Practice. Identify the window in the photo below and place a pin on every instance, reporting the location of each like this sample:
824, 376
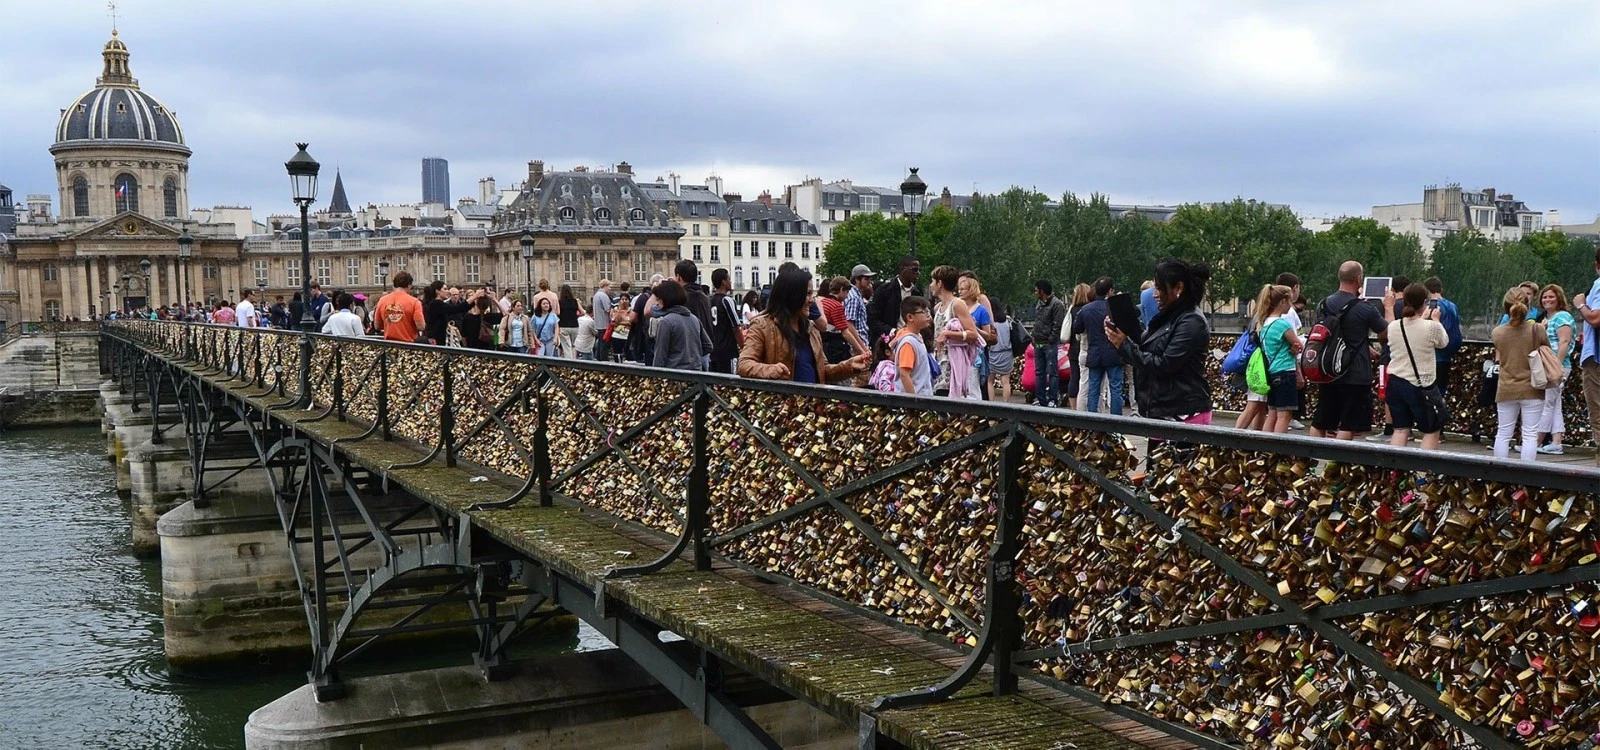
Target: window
377, 274
788, 250
738, 248
50, 272
402, 263
1483, 218
772, 249
126, 187
572, 241
716, 254
696, 228
352, 271
210, 270
694, 209
847, 214
169, 198
437, 263
636, 214
749, 225
52, 309
473, 264
260, 267
605, 240
1527, 223
716, 230
291, 272
641, 267
696, 257
772, 275
602, 216
80, 196
568, 213
869, 203
805, 250
832, 216
324, 275
783, 227
606, 262
738, 277
641, 241
569, 265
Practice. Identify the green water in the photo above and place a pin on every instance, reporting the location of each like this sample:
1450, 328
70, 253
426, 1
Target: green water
81, 661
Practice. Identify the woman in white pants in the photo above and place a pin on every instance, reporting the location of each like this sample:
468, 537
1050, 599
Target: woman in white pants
1561, 330
1516, 398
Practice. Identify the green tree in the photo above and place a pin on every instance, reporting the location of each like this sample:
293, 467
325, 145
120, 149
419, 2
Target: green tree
1008, 240
880, 242
1246, 244
1564, 259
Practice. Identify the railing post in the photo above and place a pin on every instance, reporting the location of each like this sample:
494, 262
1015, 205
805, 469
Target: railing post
152, 381
699, 489
383, 391
304, 401
541, 441
447, 414
133, 384
1002, 611
261, 364
338, 381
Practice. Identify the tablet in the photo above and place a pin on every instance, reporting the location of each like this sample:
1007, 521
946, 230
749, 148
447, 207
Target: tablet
1376, 287
1125, 315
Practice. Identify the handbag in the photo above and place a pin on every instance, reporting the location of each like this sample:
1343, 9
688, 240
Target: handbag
1435, 411
1544, 368
1239, 356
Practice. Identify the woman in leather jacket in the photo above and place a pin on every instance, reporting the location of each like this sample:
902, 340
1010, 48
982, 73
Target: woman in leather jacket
1169, 367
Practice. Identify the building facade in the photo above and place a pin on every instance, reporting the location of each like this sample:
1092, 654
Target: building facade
435, 180
699, 210
1448, 209
827, 205
766, 234
8, 212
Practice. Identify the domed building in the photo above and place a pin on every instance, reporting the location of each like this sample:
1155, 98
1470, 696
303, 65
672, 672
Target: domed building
122, 170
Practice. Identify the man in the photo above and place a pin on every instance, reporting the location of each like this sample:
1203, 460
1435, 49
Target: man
688, 274
643, 345
545, 293
245, 312
1450, 318
1051, 314
883, 315
855, 304
1101, 360
1344, 406
504, 301
398, 315
343, 322
278, 314
318, 301
1589, 356
600, 310
724, 324
1148, 307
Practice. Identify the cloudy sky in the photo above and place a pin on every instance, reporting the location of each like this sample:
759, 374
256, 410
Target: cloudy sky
1328, 106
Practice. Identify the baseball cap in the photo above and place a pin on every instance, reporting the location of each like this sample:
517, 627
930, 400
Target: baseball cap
860, 270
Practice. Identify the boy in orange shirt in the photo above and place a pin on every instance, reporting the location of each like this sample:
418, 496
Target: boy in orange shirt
398, 315
910, 353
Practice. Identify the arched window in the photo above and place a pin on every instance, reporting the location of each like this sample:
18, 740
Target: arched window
636, 214
568, 213
50, 272
126, 188
52, 309
738, 277
602, 215
169, 198
80, 196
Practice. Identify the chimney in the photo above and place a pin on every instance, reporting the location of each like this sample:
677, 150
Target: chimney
625, 168
765, 198
486, 191
580, 168
535, 174
731, 197
1488, 193
672, 182
944, 197
714, 183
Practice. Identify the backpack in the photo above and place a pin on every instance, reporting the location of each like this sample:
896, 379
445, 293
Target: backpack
1326, 357
886, 376
1255, 373
1239, 356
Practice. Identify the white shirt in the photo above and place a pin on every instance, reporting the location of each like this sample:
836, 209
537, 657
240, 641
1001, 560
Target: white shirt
1293, 318
586, 334
245, 314
344, 323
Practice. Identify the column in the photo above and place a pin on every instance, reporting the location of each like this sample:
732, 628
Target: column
81, 296
152, 295
178, 294
28, 293
99, 301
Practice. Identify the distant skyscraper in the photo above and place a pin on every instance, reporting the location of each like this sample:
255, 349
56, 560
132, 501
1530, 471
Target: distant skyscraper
435, 180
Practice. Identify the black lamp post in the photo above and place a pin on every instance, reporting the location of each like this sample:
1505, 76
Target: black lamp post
186, 254
914, 195
527, 268
116, 294
126, 278
383, 276
144, 268
303, 178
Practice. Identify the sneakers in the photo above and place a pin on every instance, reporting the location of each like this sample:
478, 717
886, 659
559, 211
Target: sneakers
1377, 437
1552, 449
1515, 447
1294, 424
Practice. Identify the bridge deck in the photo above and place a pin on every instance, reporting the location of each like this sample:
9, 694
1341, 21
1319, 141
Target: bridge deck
837, 660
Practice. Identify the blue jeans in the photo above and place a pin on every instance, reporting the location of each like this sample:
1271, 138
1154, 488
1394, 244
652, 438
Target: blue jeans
1114, 376
1047, 377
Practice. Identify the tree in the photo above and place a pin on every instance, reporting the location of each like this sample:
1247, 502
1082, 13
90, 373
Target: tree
1004, 240
1564, 259
879, 242
1246, 244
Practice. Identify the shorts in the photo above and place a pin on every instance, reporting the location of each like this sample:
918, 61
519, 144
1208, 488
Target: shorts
1406, 407
1283, 390
1343, 407
1251, 397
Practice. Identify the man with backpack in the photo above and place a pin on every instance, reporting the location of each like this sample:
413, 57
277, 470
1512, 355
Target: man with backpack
1340, 358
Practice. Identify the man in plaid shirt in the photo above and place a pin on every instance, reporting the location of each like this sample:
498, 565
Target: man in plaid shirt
855, 306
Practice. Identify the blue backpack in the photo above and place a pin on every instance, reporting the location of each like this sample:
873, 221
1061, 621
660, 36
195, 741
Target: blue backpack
1239, 357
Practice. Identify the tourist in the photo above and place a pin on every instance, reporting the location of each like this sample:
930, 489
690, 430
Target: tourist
223, 314
543, 321
588, 338
1588, 309
970, 290
567, 312
504, 301
481, 321
751, 307
840, 339
908, 351
344, 322
398, 315
358, 306
681, 342
1002, 355
645, 305
245, 313
1280, 342
1103, 365
516, 329
781, 344
545, 293
883, 314
439, 308
600, 307
621, 324
855, 303
1075, 385
1344, 406
318, 301
1450, 319
725, 328
1254, 414
1413, 371
955, 337
1147, 302
1516, 400
1560, 330
1169, 364
1049, 316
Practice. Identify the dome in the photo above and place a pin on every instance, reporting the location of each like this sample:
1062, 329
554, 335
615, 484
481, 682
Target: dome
116, 110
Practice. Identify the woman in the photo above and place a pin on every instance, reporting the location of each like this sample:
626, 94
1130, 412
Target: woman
1254, 416
1415, 338
437, 312
1076, 384
1279, 345
477, 326
955, 337
1169, 365
567, 320
516, 329
1560, 329
621, 325
544, 327
751, 307
681, 342
840, 339
1001, 356
971, 292
783, 345
1516, 398
223, 314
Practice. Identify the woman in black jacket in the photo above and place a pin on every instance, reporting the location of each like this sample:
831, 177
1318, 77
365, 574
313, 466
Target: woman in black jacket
1169, 366
478, 325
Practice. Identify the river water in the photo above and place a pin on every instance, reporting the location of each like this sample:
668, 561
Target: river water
81, 661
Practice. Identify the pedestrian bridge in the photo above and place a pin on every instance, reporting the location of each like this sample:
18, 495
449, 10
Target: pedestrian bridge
939, 573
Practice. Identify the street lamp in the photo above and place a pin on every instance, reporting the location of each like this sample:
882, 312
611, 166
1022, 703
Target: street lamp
186, 254
126, 278
527, 267
914, 195
144, 268
303, 178
383, 275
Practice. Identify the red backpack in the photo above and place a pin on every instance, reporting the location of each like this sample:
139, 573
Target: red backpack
1326, 357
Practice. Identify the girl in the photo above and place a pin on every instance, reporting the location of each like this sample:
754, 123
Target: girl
1414, 340
515, 329
956, 337
544, 327
1280, 343
1516, 398
1254, 416
1560, 329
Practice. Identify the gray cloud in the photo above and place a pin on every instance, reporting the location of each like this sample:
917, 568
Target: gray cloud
1329, 106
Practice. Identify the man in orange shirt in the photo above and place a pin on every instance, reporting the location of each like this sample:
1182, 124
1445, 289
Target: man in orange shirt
398, 315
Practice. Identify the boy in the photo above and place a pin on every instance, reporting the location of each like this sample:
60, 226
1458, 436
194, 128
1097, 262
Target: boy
909, 352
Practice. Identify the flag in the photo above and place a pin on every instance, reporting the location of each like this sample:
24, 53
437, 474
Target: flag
122, 190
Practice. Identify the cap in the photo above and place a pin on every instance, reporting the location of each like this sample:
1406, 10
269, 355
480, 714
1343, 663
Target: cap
361, 296
860, 270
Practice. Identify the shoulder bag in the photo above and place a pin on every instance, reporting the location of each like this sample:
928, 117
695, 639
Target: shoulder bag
1435, 412
1544, 369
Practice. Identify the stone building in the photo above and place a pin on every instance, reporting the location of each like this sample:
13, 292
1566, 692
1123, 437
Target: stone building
765, 235
699, 210
123, 179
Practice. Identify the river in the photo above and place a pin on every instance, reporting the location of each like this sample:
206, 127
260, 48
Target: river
82, 662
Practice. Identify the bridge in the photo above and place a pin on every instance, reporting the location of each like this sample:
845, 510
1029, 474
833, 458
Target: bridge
937, 573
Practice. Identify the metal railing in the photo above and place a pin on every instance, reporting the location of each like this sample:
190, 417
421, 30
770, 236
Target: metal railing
1233, 587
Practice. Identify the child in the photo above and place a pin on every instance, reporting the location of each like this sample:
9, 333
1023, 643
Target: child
910, 354
584, 342
1280, 342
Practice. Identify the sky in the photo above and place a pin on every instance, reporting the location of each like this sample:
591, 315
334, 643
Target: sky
1330, 107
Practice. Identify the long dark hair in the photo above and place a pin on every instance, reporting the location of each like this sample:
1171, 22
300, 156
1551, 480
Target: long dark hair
566, 293
753, 299
787, 303
1171, 272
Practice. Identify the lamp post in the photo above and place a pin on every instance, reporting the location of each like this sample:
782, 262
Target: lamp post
303, 179
527, 268
144, 268
186, 254
914, 195
116, 294
126, 278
